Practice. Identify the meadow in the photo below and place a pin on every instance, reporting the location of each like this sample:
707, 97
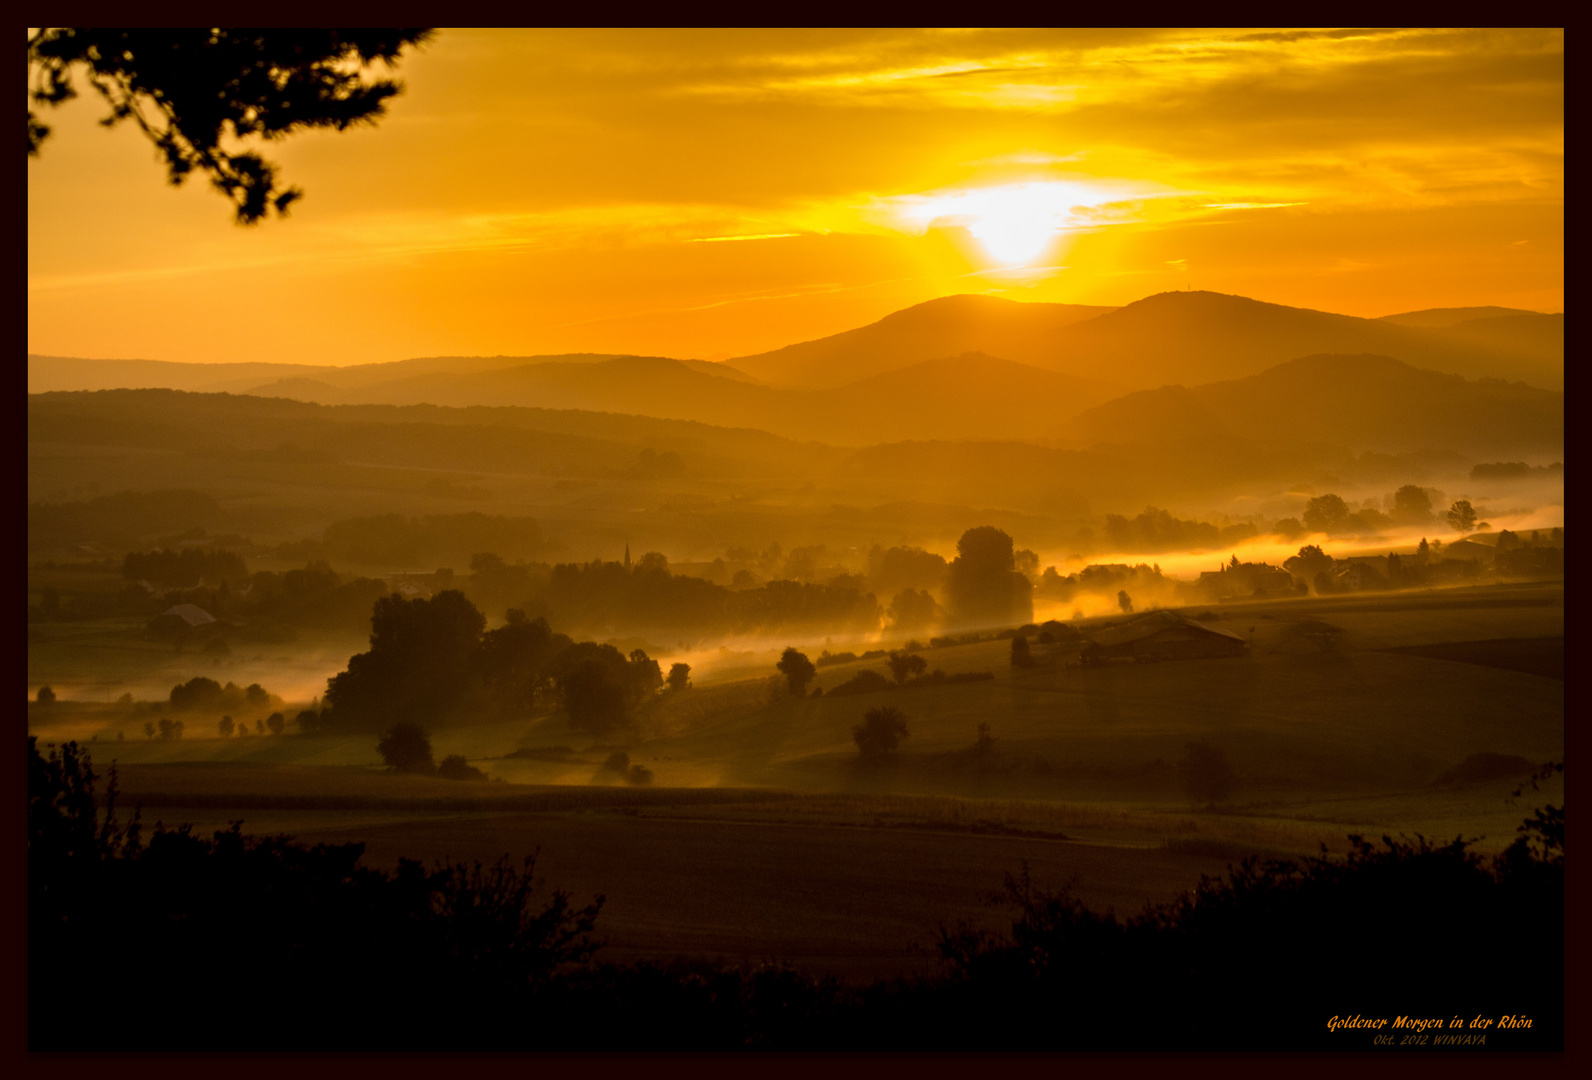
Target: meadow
763, 835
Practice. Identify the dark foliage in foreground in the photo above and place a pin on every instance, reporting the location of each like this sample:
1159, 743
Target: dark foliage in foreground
223, 933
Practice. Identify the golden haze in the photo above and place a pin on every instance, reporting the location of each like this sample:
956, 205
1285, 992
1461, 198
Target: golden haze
719, 193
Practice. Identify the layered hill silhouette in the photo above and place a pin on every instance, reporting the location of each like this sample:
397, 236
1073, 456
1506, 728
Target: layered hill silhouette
945, 327
1443, 317
1185, 337
967, 396
1363, 402
47, 373
903, 377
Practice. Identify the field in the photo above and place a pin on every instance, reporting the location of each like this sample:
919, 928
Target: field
762, 836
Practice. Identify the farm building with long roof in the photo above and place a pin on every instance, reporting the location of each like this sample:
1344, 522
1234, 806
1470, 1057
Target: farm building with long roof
1162, 635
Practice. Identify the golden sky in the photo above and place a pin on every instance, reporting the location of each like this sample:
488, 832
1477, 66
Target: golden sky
718, 193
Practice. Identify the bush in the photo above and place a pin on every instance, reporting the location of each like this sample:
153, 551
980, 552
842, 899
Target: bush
880, 732
406, 748
454, 767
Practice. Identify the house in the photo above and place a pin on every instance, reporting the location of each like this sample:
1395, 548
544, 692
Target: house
183, 620
1162, 635
1245, 579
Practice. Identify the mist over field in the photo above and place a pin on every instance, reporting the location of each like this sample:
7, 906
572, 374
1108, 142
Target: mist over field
734, 578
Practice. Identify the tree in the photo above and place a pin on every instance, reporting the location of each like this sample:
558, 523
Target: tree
256, 695
880, 732
594, 694
1412, 505
983, 586
797, 669
225, 727
1124, 601
149, 729
904, 665
276, 722
1205, 773
422, 657
46, 696
1462, 516
645, 673
197, 693
1022, 655
679, 677
191, 91
406, 747
1325, 513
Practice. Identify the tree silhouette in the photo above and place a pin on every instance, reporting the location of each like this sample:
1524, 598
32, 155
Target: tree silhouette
46, 696
797, 669
904, 665
191, 90
1124, 601
406, 747
679, 677
1462, 516
225, 727
1022, 655
1325, 513
422, 656
1412, 505
983, 585
880, 732
276, 722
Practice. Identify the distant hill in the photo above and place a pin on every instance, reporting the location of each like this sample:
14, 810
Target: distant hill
1181, 337
218, 427
969, 396
1197, 337
945, 327
1441, 318
1361, 402
48, 373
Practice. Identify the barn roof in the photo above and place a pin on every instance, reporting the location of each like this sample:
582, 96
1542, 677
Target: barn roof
1154, 623
192, 614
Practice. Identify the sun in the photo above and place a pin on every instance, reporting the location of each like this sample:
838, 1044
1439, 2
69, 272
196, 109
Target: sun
1015, 224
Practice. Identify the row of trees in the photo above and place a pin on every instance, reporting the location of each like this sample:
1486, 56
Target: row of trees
432, 659
1411, 506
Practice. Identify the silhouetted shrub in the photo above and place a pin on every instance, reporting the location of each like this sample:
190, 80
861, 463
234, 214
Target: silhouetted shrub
454, 767
797, 669
406, 747
880, 732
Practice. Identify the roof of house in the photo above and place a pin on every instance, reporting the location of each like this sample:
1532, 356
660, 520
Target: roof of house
191, 614
1154, 623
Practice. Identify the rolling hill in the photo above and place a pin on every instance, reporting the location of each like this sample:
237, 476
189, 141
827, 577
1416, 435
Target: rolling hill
1363, 402
1183, 337
944, 327
968, 396
326, 383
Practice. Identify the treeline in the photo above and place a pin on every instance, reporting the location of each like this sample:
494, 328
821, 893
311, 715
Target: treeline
432, 661
1156, 530
221, 932
1515, 470
122, 520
